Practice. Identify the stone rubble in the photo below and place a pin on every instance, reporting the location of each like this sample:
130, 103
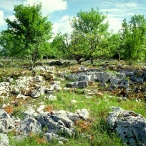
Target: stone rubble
129, 126
35, 122
123, 79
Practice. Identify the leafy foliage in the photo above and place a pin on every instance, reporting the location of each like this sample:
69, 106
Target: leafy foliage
92, 27
78, 47
30, 32
59, 46
134, 38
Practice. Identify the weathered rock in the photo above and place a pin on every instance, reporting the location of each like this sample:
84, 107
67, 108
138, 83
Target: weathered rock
79, 84
118, 83
128, 73
50, 136
27, 126
129, 126
62, 116
73, 117
82, 68
102, 76
4, 87
52, 97
136, 79
85, 78
41, 109
55, 85
45, 68
9, 79
30, 112
6, 122
82, 84
33, 122
47, 122
4, 141
38, 79
71, 85
20, 96
83, 113
35, 94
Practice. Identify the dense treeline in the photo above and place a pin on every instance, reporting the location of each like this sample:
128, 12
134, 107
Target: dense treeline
29, 35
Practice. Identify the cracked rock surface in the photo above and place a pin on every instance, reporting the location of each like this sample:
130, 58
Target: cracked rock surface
128, 125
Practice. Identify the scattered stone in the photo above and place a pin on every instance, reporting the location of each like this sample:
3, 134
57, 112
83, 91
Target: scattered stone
41, 109
6, 122
30, 112
20, 96
60, 142
9, 79
38, 79
82, 68
50, 136
83, 113
82, 84
73, 101
35, 94
52, 97
4, 140
27, 126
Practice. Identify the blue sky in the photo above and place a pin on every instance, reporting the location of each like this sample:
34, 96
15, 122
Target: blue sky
60, 12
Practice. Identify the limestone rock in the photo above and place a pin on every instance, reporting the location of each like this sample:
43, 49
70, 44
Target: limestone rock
6, 122
4, 141
52, 97
27, 126
129, 126
83, 113
50, 136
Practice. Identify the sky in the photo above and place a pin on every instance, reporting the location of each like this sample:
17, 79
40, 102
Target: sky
60, 12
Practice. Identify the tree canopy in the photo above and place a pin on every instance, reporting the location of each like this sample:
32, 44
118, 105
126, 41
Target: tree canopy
30, 32
28, 36
92, 26
134, 37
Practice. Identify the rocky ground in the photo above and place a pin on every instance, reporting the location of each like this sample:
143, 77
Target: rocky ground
118, 80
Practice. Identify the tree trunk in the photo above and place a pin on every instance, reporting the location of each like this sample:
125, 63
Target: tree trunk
79, 62
91, 60
32, 67
119, 56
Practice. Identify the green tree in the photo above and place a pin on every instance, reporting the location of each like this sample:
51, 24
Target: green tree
115, 45
92, 26
134, 37
30, 32
78, 47
59, 46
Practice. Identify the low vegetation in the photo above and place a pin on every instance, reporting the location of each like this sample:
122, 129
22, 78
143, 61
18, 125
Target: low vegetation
92, 132
26, 44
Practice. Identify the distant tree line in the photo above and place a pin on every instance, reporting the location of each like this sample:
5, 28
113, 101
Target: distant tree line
29, 35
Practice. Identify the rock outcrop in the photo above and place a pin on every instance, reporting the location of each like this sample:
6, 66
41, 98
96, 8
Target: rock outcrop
128, 125
50, 124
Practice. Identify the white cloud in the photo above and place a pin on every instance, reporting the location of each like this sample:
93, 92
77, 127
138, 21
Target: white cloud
111, 10
12, 17
63, 25
9, 4
49, 6
126, 5
2, 21
114, 24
